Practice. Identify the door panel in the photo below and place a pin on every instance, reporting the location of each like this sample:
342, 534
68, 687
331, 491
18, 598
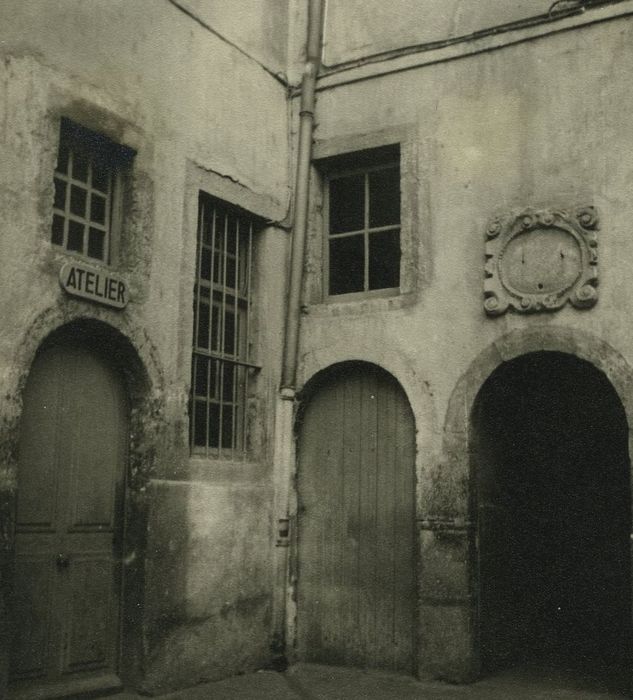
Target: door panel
71, 465
90, 615
356, 524
33, 605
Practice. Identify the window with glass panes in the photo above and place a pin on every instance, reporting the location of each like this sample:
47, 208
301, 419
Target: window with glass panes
221, 363
86, 191
363, 228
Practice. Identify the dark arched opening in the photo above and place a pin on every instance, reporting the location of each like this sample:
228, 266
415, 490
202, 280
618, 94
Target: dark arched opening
549, 443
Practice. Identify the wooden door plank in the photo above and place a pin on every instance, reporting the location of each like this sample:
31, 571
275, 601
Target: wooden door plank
404, 541
368, 554
386, 542
356, 602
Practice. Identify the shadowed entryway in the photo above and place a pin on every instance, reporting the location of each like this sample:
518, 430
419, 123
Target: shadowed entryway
551, 466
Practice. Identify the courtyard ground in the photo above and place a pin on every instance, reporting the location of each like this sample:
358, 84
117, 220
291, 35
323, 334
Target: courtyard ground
316, 682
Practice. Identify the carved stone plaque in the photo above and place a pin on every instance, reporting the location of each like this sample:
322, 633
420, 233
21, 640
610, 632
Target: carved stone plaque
537, 260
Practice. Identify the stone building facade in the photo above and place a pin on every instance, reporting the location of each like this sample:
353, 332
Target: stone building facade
452, 494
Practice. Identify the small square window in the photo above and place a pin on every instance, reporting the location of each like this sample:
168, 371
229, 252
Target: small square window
363, 223
87, 187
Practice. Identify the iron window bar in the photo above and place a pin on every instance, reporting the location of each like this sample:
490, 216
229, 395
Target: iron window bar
221, 365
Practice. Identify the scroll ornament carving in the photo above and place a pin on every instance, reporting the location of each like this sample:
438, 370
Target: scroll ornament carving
538, 260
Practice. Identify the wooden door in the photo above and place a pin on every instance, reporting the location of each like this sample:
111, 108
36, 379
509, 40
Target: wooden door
69, 520
356, 568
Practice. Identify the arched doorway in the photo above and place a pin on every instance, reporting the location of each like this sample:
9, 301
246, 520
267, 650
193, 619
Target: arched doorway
69, 523
551, 477
356, 548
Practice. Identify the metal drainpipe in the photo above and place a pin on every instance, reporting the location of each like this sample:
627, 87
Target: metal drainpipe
300, 219
284, 456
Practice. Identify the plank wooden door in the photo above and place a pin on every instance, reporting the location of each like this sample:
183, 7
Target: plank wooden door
69, 520
356, 483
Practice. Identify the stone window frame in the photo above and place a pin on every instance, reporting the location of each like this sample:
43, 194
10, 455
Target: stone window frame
326, 154
100, 153
271, 212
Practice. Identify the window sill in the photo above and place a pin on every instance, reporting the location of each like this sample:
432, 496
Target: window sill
359, 303
362, 296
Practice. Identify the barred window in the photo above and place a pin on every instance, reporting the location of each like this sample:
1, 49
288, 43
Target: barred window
87, 191
221, 363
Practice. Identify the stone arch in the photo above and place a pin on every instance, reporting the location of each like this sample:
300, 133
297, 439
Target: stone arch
316, 361
325, 374
448, 609
132, 355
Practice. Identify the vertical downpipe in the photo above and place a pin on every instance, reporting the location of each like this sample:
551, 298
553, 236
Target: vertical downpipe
284, 454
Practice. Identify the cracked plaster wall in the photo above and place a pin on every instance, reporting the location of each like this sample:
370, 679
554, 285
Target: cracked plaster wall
543, 123
149, 77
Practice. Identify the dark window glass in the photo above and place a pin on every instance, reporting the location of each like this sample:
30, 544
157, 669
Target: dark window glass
96, 239
384, 197
227, 425
80, 167
97, 209
384, 259
58, 230
205, 264
218, 269
201, 374
78, 201
215, 326
75, 236
347, 203
203, 326
60, 194
100, 179
229, 332
347, 264
62, 160
214, 426
230, 272
199, 423
220, 224
231, 239
229, 382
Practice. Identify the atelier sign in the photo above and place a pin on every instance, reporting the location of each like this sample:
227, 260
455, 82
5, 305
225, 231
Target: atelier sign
94, 284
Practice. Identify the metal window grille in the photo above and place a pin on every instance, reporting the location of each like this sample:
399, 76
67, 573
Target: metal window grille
221, 363
363, 229
87, 179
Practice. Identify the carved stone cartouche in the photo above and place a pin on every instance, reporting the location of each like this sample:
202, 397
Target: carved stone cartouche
539, 259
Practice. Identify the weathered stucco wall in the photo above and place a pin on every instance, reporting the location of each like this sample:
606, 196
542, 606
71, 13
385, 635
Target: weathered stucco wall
543, 123
350, 29
150, 77
259, 28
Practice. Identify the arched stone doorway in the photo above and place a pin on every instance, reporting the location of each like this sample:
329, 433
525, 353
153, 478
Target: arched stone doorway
449, 601
356, 602
85, 389
69, 524
551, 493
